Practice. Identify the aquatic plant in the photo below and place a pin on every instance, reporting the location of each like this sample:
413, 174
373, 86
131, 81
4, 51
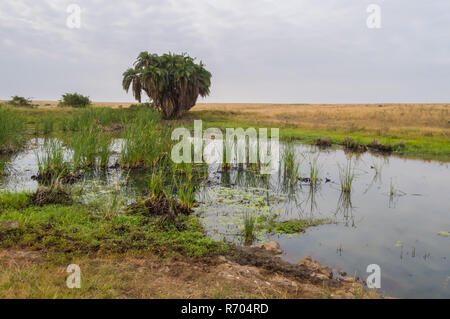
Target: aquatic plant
104, 151
147, 142
392, 189
323, 142
248, 232
156, 184
354, 146
290, 165
186, 195
85, 145
346, 176
55, 193
111, 207
2, 167
375, 145
51, 162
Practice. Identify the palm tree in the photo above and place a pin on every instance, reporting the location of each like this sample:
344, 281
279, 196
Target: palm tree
172, 81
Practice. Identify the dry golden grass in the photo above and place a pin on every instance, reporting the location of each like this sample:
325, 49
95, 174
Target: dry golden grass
422, 119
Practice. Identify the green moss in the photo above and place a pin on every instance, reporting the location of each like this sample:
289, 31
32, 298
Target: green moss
10, 200
294, 226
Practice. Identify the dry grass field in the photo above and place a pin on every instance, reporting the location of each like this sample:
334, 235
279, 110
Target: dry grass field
412, 130
417, 119
423, 130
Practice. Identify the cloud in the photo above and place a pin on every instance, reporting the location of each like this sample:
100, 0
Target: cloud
257, 50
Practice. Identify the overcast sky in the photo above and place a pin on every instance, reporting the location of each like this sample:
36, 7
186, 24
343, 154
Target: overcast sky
289, 51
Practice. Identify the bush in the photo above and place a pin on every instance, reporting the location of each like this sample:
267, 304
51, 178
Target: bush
19, 101
74, 100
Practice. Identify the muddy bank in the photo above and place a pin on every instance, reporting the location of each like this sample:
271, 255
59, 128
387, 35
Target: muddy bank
243, 273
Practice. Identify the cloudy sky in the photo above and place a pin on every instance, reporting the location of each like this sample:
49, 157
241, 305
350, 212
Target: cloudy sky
318, 51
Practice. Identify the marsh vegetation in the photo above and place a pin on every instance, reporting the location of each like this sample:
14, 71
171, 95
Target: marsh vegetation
104, 183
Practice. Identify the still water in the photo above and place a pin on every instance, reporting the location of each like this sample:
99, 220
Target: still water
396, 216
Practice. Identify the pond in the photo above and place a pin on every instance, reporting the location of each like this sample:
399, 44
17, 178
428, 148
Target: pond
397, 214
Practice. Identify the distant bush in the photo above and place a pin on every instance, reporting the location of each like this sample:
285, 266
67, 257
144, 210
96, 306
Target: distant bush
19, 101
74, 100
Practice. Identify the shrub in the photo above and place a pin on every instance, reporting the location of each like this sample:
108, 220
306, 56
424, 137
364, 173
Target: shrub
19, 101
74, 100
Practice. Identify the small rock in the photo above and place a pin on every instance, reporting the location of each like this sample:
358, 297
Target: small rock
318, 271
7, 224
272, 247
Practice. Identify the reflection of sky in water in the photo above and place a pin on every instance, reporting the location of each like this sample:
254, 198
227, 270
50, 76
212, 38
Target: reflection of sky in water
366, 233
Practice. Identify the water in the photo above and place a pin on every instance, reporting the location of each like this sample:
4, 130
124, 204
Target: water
400, 233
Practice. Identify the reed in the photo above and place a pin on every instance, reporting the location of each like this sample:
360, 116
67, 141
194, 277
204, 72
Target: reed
85, 144
51, 162
104, 152
147, 143
346, 176
248, 232
156, 184
290, 165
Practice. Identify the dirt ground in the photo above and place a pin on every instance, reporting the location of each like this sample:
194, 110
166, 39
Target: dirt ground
242, 274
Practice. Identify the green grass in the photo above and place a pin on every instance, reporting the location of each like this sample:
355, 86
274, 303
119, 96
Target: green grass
9, 200
290, 164
12, 130
78, 230
147, 141
346, 176
407, 145
51, 162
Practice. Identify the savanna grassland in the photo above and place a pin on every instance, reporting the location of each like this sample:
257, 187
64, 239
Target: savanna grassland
154, 247
413, 130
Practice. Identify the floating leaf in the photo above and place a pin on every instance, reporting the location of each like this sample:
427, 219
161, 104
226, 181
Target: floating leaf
444, 233
399, 244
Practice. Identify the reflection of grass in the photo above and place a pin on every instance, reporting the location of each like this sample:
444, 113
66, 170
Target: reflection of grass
392, 189
345, 207
314, 171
